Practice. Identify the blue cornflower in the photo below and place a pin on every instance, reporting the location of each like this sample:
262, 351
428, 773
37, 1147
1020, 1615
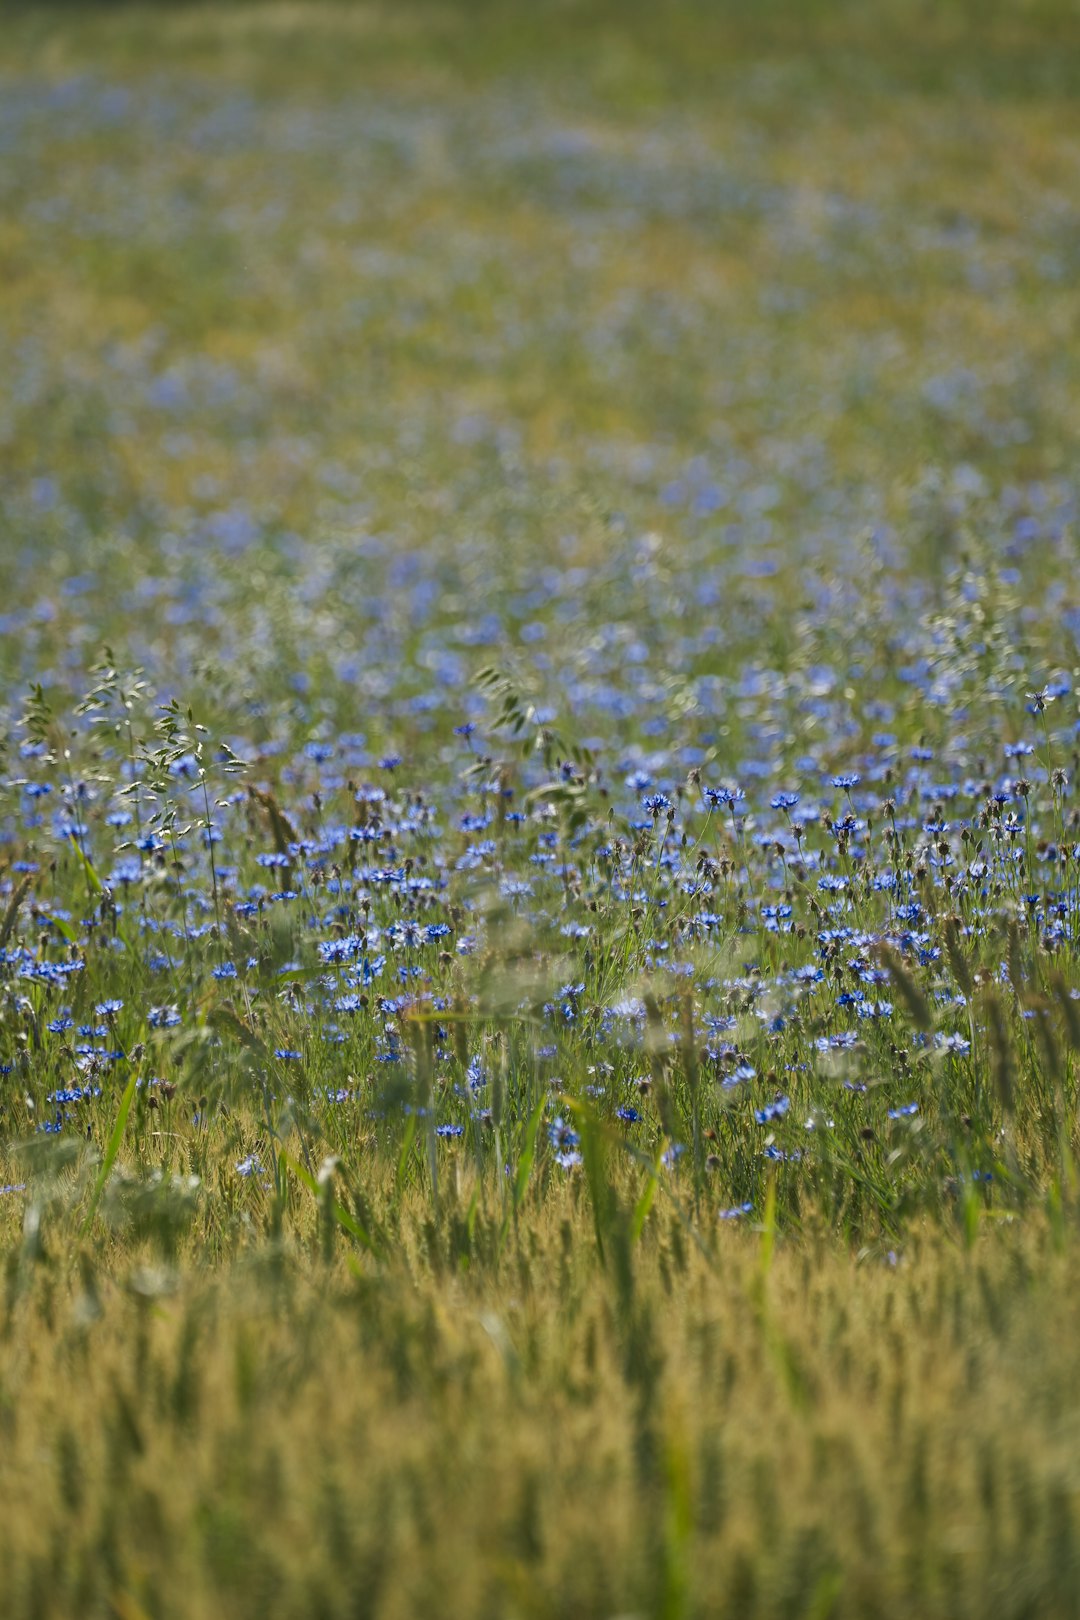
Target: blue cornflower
772, 1111
874, 1009
340, 950
565, 1142
71, 1094
350, 1003
514, 888
476, 1074
739, 1076
716, 798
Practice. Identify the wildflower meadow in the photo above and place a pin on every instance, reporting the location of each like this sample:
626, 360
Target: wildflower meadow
539, 837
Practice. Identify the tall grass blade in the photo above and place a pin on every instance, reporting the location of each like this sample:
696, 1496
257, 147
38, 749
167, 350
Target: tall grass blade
112, 1148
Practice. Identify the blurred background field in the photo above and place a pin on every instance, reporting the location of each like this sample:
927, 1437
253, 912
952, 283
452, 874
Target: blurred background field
446, 273
601, 1138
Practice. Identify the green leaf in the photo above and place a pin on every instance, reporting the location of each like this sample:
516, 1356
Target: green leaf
87, 865
645, 1202
403, 1156
64, 928
345, 1220
112, 1148
528, 1154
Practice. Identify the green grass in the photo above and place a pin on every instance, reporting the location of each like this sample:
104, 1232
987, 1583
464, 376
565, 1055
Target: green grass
684, 396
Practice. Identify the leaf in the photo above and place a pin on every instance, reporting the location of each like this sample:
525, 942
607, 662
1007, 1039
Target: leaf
87, 865
528, 1153
594, 1153
403, 1156
63, 928
112, 1148
645, 1202
345, 1220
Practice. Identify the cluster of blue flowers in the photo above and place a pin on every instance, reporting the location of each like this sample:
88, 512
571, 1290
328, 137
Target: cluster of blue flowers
674, 776
804, 962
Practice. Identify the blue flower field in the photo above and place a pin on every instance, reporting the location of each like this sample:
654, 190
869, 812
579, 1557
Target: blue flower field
539, 839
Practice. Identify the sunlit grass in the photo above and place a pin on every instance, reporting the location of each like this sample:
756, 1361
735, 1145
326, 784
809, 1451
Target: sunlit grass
539, 880
682, 1432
